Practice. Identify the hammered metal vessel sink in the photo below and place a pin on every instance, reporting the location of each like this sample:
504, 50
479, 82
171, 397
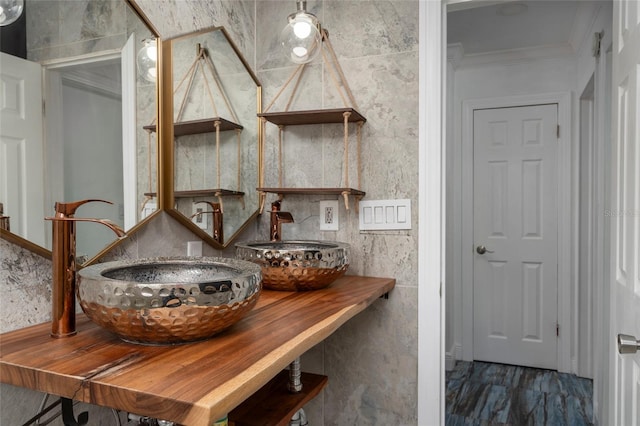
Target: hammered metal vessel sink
297, 265
168, 300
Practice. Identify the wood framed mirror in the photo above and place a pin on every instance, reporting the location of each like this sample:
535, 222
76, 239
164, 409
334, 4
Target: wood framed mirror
90, 141
211, 151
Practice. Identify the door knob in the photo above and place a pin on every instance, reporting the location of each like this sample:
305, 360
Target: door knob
482, 250
628, 344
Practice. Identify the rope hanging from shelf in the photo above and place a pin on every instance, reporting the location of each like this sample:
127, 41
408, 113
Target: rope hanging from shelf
280, 142
337, 77
239, 175
203, 62
149, 197
336, 63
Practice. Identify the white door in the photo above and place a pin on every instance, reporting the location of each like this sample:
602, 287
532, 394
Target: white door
21, 147
624, 370
515, 278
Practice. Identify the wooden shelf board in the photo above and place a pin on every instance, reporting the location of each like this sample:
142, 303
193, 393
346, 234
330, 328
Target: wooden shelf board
194, 127
314, 191
315, 116
273, 404
201, 193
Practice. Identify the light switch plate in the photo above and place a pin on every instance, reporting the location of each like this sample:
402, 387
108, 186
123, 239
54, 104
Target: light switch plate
385, 215
149, 207
329, 220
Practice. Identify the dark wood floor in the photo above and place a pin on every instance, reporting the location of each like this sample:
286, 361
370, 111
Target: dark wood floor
484, 394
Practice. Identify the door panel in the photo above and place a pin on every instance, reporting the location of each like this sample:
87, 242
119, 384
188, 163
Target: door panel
515, 217
624, 370
21, 147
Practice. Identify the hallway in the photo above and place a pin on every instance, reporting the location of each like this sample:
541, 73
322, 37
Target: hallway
484, 394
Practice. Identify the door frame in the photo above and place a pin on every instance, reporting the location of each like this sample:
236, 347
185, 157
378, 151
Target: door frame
431, 215
566, 219
52, 123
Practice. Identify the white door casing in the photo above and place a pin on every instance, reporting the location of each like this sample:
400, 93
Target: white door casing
129, 132
432, 28
56, 72
515, 216
21, 147
624, 370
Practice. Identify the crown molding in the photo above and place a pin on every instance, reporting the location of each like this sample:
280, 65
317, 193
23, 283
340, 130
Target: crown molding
512, 56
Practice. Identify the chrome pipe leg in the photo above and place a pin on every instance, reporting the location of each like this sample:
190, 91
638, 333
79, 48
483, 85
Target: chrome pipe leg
295, 383
299, 419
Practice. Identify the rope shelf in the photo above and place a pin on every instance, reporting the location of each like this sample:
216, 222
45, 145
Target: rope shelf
217, 124
346, 115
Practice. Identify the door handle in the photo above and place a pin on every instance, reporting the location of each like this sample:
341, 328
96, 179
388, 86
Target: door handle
628, 344
482, 250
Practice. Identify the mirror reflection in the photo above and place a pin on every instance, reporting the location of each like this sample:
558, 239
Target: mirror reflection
216, 98
90, 141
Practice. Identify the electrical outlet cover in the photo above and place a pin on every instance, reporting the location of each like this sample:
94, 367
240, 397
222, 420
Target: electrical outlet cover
329, 220
194, 248
201, 219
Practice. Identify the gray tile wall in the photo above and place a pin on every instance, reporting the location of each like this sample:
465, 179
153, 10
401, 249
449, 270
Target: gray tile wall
372, 360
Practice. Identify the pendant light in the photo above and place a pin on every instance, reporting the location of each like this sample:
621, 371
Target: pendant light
148, 59
10, 11
301, 39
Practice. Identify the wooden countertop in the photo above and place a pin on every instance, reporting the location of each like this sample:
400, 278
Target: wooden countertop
192, 384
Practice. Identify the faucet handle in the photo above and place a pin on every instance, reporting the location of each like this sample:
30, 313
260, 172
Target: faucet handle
275, 206
69, 209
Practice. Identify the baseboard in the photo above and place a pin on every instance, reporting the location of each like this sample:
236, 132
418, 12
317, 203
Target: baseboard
449, 361
458, 350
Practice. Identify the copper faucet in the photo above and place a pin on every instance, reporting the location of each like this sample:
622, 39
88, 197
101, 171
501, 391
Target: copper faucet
216, 213
277, 219
63, 298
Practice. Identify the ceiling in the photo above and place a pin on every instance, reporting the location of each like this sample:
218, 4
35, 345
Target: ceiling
496, 26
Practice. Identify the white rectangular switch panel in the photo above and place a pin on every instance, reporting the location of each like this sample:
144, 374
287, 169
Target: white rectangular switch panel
149, 208
385, 214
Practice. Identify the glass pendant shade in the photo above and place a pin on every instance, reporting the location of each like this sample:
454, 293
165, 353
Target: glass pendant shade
10, 11
301, 39
147, 61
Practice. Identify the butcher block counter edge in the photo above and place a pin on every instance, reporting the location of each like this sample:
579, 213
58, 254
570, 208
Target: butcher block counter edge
192, 384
